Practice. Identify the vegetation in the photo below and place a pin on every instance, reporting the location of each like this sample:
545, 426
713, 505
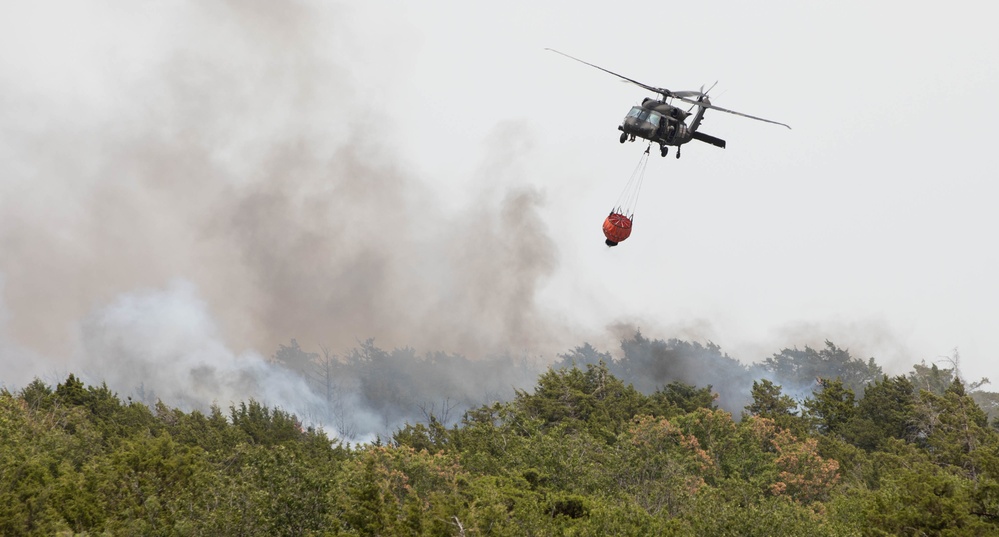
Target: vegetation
584, 453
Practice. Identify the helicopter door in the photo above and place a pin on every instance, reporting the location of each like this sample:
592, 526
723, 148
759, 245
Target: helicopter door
680, 132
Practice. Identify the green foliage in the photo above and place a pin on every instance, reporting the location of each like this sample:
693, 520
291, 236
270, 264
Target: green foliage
398, 491
680, 398
886, 411
212, 433
989, 403
37, 395
764, 517
593, 400
581, 357
954, 430
264, 426
72, 391
769, 402
583, 454
804, 367
431, 437
664, 467
40, 451
913, 496
931, 378
832, 407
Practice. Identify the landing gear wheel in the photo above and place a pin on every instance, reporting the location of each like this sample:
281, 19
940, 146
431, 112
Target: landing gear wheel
624, 137
663, 151
678, 152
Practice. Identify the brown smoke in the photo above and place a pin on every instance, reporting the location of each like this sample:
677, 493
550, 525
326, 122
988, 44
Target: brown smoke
228, 149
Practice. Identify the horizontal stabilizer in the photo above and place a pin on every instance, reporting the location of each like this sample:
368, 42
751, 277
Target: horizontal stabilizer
709, 139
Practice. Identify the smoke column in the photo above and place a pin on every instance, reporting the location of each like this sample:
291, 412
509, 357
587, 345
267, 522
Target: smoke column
179, 180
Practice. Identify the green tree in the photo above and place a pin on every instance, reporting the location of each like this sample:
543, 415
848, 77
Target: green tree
989, 403
212, 432
953, 429
831, 408
886, 411
20, 476
584, 454
581, 357
146, 485
803, 367
265, 426
663, 468
593, 399
681, 398
913, 496
717, 514
769, 402
37, 395
432, 437
398, 491
931, 378
42, 447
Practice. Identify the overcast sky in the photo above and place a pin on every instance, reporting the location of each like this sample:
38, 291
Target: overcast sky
426, 174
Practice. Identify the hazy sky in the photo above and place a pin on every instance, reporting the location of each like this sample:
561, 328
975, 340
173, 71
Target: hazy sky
426, 174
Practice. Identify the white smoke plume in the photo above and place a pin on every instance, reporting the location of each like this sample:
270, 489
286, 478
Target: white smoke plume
164, 343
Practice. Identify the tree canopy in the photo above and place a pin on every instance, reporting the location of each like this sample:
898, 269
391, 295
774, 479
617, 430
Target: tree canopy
582, 453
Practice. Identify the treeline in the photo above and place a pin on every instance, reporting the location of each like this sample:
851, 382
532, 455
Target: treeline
582, 453
371, 391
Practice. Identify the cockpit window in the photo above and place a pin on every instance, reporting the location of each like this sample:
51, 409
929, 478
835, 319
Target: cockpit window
643, 115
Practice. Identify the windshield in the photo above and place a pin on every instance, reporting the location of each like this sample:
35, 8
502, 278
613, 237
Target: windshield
642, 114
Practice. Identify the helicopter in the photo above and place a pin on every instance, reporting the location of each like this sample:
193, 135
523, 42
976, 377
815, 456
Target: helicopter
660, 122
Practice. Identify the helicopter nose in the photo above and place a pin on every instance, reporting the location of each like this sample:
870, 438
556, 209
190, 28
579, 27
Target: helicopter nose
633, 126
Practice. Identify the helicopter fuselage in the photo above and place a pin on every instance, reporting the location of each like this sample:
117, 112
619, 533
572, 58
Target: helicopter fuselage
664, 124
657, 122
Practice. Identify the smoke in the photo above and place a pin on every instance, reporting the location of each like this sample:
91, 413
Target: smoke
864, 338
18, 363
165, 344
201, 176
182, 179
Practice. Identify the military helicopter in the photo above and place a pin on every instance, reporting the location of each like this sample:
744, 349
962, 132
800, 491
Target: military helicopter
658, 121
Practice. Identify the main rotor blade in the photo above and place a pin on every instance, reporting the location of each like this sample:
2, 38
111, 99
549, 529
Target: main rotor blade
663, 91
713, 107
689, 94
681, 95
